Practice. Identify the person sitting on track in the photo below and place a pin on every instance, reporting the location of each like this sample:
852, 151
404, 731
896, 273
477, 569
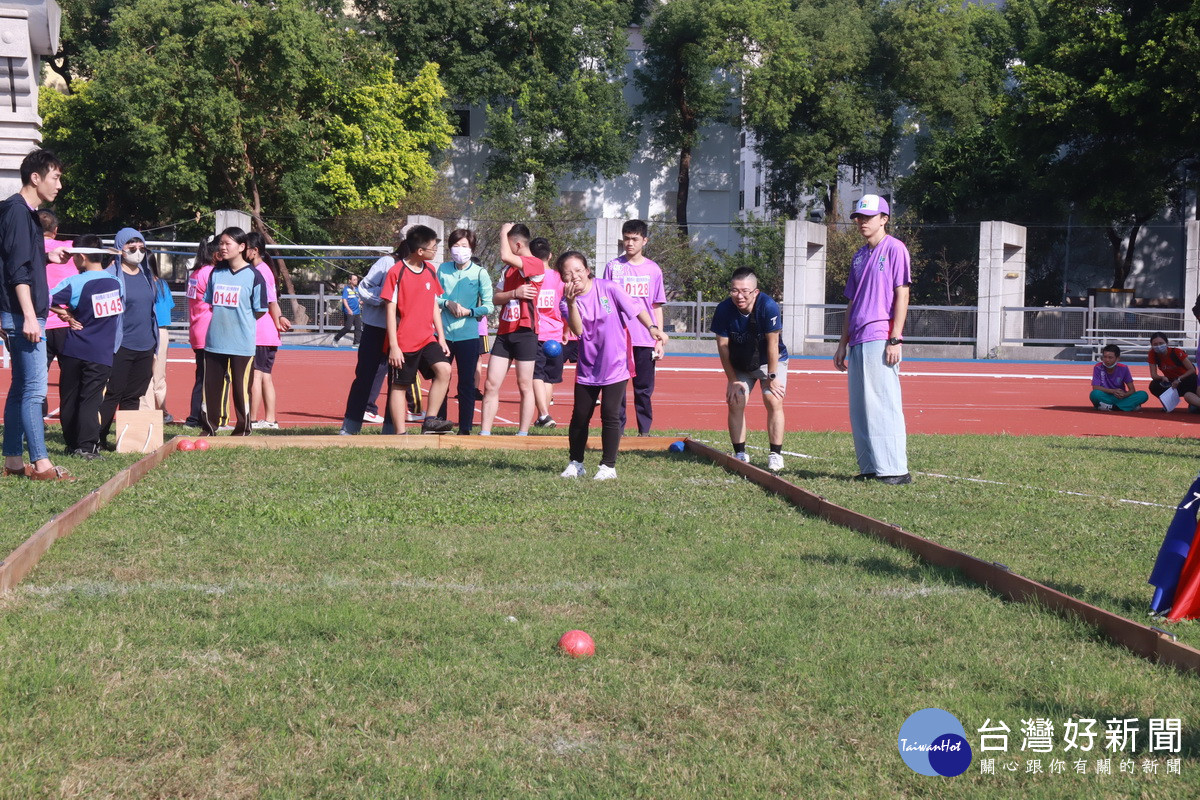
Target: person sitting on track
1178, 371
1112, 384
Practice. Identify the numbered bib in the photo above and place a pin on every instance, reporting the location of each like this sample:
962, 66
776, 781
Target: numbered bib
637, 287
226, 296
512, 311
107, 304
545, 298
193, 290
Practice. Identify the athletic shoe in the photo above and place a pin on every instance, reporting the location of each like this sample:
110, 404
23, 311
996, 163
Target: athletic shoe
742, 457
865, 476
344, 432
373, 419
1105, 406
86, 455
168, 419
605, 473
191, 423
436, 425
264, 425
544, 422
224, 428
575, 469
411, 417
896, 480
774, 462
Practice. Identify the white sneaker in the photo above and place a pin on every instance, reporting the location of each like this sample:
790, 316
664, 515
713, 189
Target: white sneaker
575, 469
774, 462
264, 425
372, 419
224, 428
743, 457
411, 417
605, 473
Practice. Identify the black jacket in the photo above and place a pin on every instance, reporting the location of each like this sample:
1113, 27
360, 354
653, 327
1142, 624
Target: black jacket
22, 257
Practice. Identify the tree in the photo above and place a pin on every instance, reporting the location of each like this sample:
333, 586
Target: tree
681, 88
1106, 100
279, 106
549, 73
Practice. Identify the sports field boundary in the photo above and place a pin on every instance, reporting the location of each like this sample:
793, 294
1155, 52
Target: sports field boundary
1153, 644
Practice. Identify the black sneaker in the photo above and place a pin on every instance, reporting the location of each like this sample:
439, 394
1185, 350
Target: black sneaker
865, 476
436, 425
896, 480
544, 422
87, 455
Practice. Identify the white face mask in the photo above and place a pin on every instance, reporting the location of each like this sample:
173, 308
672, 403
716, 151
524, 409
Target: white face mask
134, 258
461, 255
1160, 348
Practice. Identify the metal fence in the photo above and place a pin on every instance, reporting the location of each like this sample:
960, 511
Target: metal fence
924, 325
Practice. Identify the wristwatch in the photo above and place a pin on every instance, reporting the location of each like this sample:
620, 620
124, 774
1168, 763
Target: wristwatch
894, 340
772, 376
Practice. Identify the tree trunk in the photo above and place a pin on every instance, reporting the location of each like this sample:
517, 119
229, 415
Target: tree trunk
299, 313
1123, 257
681, 196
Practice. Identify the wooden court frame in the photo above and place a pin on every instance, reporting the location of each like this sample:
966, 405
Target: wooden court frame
1146, 641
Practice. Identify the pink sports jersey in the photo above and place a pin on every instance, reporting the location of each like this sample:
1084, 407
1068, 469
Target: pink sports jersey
56, 274
606, 312
644, 283
550, 321
266, 333
199, 312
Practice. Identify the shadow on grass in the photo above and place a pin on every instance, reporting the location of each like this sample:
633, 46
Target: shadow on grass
1135, 608
919, 572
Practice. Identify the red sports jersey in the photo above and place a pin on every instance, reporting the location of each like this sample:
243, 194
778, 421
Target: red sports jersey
414, 294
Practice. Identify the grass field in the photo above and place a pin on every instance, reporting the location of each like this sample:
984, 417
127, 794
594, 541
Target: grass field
282, 624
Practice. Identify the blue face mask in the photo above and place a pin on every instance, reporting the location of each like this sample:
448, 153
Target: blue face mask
1159, 348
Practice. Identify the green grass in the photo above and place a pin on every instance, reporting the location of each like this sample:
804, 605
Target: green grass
381, 623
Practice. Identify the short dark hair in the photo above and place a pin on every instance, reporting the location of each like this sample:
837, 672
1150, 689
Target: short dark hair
39, 162
562, 260
461, 233
419, 236
520, 231
48, 220
635, 226
93, 241
540, 248
743, 272
1159, 335
1111, 348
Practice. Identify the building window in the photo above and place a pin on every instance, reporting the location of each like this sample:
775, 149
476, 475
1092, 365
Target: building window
463, 126
758, 196
741, 201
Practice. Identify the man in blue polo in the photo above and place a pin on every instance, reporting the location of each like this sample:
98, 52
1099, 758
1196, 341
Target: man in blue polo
748, 326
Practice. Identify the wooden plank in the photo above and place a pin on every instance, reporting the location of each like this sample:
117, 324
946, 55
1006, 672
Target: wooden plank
419, 441
21, 561
1134, 636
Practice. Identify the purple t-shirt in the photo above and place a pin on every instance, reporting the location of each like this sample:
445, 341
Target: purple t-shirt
1117, 379
644, 283
606, 312
874, 277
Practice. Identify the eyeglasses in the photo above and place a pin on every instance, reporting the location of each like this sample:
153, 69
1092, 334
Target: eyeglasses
135, 249
743, 291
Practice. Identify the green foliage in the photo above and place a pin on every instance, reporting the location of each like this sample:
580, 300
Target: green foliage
687, 267
762, 250
277, 107
548, 72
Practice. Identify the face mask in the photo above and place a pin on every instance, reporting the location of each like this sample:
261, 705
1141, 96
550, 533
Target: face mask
135, 258
1159, 348
461, 255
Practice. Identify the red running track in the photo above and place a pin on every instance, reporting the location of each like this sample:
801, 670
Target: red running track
1024, 398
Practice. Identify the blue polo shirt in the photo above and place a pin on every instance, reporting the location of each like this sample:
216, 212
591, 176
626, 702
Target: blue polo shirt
94, 297
238, 299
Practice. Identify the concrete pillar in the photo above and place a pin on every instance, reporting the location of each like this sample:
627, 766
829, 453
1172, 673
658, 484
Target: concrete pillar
1191, 279
608, 242
803, 284
28, 29
1001, 283
438, 226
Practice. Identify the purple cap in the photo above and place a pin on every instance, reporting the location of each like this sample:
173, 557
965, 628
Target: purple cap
870, 205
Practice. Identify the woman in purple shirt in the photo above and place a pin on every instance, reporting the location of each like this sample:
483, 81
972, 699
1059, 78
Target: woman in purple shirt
598, 312
1112, 384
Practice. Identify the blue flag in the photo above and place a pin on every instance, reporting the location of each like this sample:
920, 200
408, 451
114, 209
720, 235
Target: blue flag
1174, 551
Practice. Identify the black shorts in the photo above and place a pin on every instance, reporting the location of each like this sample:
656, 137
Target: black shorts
55, 339
548, 368
519, 345
264, 358
571, 351
484, 344
421, 361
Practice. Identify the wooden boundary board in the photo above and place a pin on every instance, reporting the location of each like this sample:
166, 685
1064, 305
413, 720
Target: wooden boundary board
1143, 640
